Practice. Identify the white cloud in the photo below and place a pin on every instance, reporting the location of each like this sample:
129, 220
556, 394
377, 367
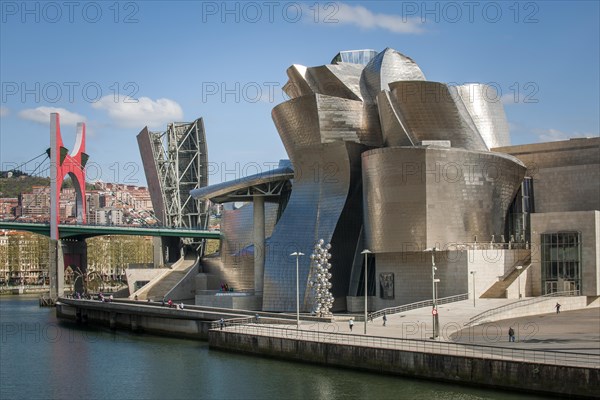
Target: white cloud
366, 19
553, 135
3, 111
512, 98
509, 99
42, 115
137, 113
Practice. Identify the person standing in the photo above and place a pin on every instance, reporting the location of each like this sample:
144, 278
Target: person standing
511, 334
350, 323
384, 319
557, 306
222, 323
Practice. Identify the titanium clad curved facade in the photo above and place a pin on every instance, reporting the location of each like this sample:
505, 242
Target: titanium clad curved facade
236, 264
485, 107
349, 75
433, 111
321, 188
415, 198
387, 67
392, 131
397, 197
314, 119
333, 80
297, 85
324, 81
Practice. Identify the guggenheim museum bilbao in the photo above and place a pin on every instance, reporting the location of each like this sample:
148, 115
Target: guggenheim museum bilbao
381, 159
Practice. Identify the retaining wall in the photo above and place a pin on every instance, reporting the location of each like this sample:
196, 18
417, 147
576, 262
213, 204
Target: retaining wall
514, 375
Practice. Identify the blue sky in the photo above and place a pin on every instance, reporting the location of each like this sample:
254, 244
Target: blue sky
222, 61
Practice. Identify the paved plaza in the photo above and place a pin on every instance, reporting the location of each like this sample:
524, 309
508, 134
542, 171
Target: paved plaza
570, 331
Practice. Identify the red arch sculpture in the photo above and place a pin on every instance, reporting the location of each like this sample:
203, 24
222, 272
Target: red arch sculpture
63, 163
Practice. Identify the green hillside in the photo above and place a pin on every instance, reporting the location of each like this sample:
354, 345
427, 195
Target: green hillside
22, 183
13, 186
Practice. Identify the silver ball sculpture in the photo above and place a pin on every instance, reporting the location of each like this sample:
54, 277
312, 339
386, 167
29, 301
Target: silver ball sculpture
319, 278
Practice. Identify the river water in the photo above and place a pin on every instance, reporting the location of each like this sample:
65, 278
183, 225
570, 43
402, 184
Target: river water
42, 358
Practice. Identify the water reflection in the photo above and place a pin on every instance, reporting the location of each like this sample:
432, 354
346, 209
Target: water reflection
41, 358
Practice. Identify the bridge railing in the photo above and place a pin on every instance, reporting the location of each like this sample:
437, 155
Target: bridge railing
47, 223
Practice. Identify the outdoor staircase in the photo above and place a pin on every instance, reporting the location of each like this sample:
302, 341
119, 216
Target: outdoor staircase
498, 289
158, 288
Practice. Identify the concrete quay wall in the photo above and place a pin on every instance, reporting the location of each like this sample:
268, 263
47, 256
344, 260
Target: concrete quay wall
192, 322
143, 322
514, 375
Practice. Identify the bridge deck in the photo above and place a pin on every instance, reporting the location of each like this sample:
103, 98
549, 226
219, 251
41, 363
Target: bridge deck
67, 231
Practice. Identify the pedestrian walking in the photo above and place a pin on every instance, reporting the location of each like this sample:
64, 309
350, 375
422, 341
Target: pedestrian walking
557, 306
351, 324
511, 334
384, 319
222, 323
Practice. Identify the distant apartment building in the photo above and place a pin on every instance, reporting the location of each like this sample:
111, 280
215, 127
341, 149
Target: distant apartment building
110, 203
4, 265
142, 201
36, 203
23, 258
8, 206
106, 216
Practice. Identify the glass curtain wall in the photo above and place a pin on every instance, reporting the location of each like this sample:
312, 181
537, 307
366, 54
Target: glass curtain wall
561, 261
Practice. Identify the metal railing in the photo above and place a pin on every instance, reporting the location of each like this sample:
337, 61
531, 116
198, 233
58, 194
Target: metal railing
4, 288
518, 304
231, 292
511, 245
75, 223
231, 322
327, 334
414, 306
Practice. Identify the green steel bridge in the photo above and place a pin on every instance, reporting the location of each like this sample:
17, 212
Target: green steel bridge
81, 231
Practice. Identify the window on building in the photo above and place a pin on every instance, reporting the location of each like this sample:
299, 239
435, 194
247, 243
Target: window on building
519, 213
561, 261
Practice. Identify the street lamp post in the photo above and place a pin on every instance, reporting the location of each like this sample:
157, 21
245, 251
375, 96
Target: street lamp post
519, 268
366, 252
297, 254
474, 294
433, 281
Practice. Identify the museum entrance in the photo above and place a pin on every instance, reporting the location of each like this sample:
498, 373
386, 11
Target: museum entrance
561, 262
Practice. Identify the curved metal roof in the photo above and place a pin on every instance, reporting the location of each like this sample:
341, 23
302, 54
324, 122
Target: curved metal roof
267, 184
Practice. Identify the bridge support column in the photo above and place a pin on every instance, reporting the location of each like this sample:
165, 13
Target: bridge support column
56, 269
74, 252
259, 243
167, 250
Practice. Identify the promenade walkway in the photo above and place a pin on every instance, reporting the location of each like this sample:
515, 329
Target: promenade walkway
576, 332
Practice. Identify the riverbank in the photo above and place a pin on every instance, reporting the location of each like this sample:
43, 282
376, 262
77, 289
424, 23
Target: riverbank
23, 290
191, 322
548, 373
97, 363
386, 349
